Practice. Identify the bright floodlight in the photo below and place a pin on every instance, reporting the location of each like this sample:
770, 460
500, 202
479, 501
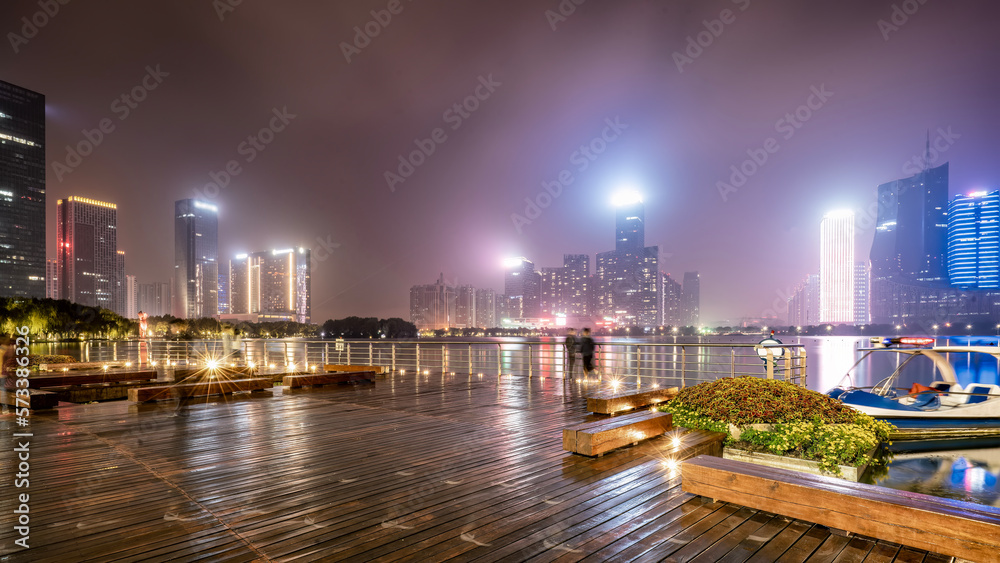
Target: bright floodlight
212, 364
839, 214
626, 197
513, 262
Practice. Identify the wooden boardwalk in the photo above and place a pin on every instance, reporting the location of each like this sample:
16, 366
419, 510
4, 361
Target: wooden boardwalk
413, 468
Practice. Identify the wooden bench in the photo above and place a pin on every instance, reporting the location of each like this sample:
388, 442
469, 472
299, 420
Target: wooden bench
319, 379
598, 438
54, 380
200, 389
91, 392
201, 373
611, 402
74, 366
379, 370
37, 399
950, 527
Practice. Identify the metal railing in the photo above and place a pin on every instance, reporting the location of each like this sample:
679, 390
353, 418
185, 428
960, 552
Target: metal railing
678, 364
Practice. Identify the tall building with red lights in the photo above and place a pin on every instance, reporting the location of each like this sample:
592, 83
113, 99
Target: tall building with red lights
87, 257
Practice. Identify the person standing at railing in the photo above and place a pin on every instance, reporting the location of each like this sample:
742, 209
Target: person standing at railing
570, 350
587, 348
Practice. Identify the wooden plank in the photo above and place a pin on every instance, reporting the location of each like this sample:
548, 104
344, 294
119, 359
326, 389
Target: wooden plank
951, 527
36, 399
219, 387
97, 391
379, 370
319, 379
54, 380
597, 438
611, 402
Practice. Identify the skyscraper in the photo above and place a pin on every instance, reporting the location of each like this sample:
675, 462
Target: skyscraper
576, 277
550, 292
974, 240
52, 279
465, 306
628, 277
196, 253
910, 241
803, 306
119, 288
522, 285
154, 298
671, 294
22, 192
691, 299
836, 267
87, 252
131, 298
432, 306
225, 284
486, 308
272, 285
861, 293
630, 216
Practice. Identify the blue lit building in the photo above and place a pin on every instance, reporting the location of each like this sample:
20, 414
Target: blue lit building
974, 240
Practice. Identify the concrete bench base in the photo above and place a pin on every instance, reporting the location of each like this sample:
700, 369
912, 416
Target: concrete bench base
36, 400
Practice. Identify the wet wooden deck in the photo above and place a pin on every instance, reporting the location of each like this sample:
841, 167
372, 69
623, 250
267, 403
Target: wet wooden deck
414, 468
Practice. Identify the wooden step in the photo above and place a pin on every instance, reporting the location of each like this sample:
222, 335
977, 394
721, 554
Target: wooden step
36, 400
956, 528
610, 402
53, 380
318, 379
598, 438
379, 370
200, 389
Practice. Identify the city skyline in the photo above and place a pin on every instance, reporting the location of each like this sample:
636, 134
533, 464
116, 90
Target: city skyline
626, 112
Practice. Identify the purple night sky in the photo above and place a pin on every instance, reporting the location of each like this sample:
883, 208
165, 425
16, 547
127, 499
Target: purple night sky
322, 178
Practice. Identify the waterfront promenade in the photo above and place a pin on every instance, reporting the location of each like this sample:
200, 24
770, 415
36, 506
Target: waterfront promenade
413, 468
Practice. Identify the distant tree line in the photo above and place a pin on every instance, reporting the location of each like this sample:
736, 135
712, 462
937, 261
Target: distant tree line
54, 319
368, 327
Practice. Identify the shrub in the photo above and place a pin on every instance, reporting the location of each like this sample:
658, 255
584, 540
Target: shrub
34, 360
806, 424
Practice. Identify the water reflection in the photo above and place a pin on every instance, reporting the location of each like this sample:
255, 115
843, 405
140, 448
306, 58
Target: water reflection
966, 470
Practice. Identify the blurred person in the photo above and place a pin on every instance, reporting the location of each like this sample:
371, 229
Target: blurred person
587, 348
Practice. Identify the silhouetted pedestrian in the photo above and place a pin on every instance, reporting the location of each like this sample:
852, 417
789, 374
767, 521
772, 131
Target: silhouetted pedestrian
570, 350
587, 348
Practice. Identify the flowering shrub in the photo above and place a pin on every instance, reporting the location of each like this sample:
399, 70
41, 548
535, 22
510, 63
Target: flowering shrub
34, 360
806, 424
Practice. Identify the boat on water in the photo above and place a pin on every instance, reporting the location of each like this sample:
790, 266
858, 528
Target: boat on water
942, 409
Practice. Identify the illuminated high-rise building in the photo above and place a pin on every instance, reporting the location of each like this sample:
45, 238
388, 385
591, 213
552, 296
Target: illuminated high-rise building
87, 252
52, 279
575, 284
671, 296
154, 298
432, 306
22, 192
836, 267
862, 291
196, 254
131, 298
120, 291
522, 286
691, 299
486, 308
465, 306
225, 285
272, 285
910, 243
628, 278
974, 240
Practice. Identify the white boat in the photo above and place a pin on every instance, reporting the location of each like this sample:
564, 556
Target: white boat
942, 409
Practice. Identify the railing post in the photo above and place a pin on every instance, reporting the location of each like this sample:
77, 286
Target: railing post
732, 362
371, 360
770, 363
638, 366
348, 353
418, 359
443, 367
529, 359
499, 361
470, 359
788, 365
393, 356
683, 366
